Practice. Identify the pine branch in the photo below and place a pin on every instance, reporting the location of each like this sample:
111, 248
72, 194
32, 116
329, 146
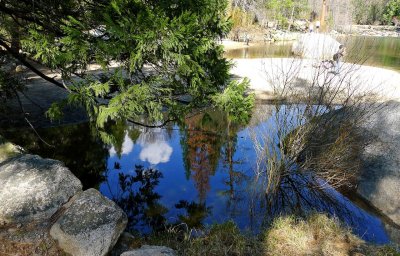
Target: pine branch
27, 120
152, 126
31, 67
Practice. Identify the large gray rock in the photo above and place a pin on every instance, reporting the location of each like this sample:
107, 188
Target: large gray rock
315, 46
90, 225
380, 177
33, 188
147, 250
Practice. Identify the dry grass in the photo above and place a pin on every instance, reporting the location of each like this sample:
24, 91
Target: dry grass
288, 236
7, 150
332, 150
27, 239
43, 247
220, 240
317, 235
381, 251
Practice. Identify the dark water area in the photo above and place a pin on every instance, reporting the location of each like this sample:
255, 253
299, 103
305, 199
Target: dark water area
199, 173
372, 51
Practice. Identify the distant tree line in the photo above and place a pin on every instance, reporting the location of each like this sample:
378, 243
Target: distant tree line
376, 11
339, 12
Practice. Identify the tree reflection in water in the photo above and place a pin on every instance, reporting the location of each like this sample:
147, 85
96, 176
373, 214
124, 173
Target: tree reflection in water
210, 139
299, 194
74, 145
196, 213
201, 143
288, 183
138, 198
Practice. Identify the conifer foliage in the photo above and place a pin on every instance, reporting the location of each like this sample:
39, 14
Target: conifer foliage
151, 51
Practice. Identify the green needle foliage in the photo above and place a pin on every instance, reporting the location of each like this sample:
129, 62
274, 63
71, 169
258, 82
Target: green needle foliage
235, 103
152, 52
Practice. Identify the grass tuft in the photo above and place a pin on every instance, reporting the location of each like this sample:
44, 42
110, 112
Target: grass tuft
220, 240
317, 235
7, 150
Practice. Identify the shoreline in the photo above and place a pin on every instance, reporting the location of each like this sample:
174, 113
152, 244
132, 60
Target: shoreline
265, 75
260, 34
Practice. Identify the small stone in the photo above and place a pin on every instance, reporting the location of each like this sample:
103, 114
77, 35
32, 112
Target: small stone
126, 242
19, 225
20, 68
147, 250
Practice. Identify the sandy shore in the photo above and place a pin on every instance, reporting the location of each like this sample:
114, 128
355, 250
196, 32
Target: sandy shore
265, 74
232, 45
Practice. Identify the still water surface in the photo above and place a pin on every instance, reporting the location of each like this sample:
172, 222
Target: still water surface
371, 51
200, 173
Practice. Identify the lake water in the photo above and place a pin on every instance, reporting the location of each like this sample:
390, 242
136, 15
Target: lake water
372, 51
200, 173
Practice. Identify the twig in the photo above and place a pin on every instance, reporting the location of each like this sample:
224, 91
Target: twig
27, 120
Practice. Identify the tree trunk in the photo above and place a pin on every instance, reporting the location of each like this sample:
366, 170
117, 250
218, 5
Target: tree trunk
15, 44
291, 18
15, 39
323, 14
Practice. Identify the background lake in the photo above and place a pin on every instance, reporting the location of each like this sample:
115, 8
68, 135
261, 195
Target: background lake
372, 51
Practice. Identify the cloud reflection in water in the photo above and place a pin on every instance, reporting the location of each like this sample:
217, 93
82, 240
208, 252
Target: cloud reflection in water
127, 147
155, 153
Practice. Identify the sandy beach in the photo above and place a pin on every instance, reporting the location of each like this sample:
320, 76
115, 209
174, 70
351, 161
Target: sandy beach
265, 74
232, 45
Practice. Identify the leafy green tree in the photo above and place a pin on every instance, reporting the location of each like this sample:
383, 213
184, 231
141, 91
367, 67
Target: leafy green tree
284, 11
9, 85
151, 52
369, 12
392, 10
